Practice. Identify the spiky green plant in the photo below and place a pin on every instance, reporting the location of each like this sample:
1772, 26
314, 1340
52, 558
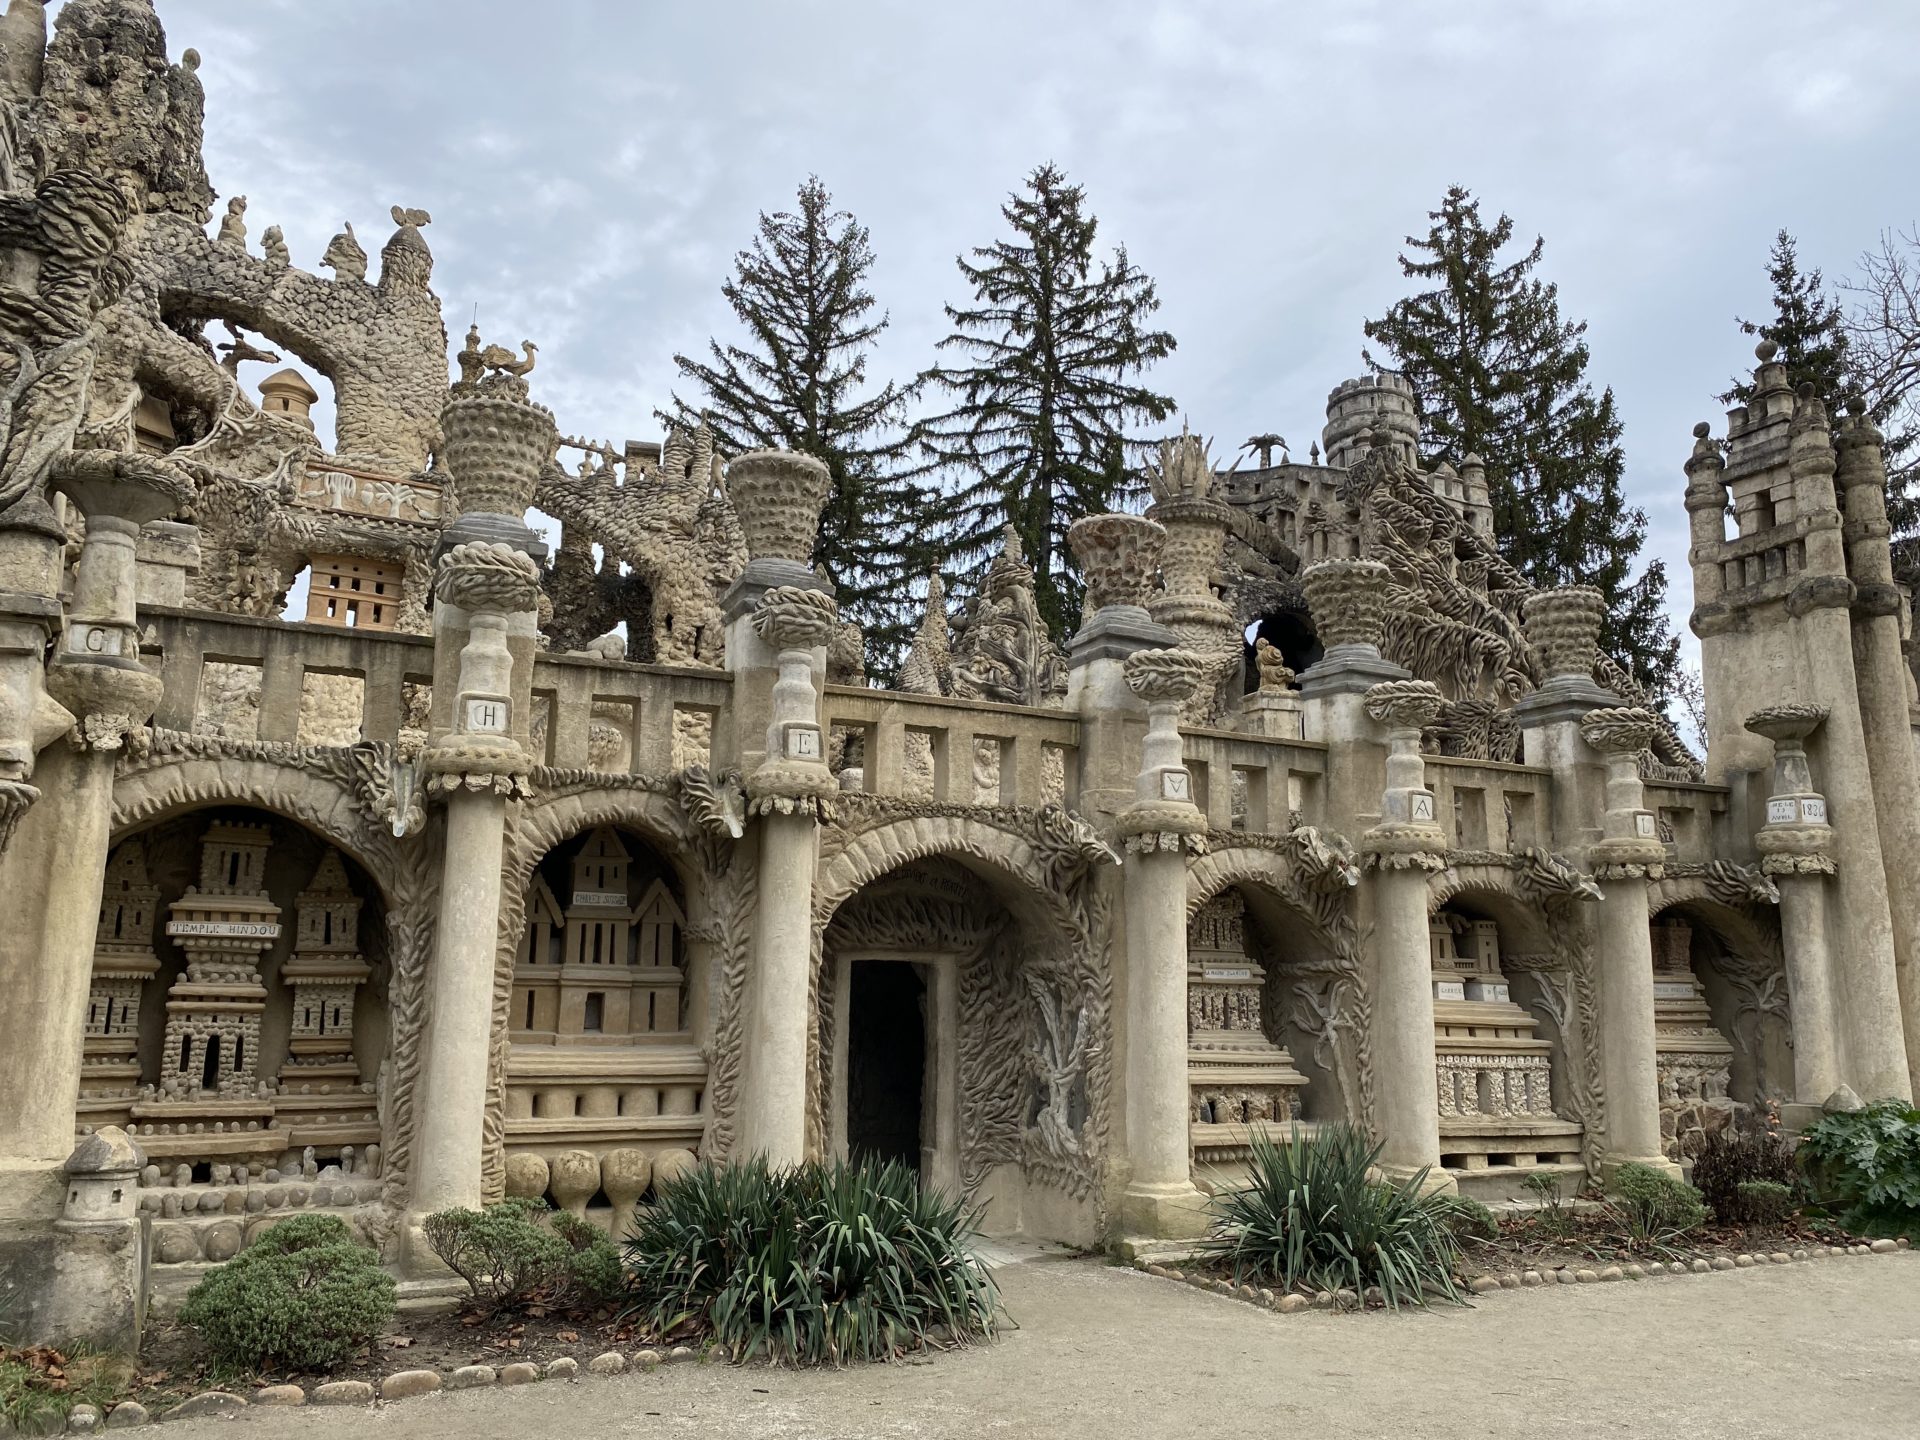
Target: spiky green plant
1315, 1214
817, 1263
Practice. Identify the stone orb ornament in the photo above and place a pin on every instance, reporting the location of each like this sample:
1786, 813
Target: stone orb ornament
625, 1175
526, 1176
670, 1165
574, 1175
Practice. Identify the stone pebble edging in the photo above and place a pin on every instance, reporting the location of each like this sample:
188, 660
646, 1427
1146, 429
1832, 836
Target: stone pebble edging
402, 1384
1290, 1304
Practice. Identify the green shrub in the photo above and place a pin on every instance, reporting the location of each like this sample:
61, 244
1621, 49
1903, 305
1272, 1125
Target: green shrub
1766, 1202
1656, 1208
503, 1252
1312, 1215
302, 1232
1730, 1160
594, 1272
811, 1264
1470, 1219
1865, 1164
308, 1307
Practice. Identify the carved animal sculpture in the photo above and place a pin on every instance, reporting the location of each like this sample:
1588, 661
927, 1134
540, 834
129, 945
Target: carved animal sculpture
500, 359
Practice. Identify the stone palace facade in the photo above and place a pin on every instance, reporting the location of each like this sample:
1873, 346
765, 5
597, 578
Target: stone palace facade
553, 870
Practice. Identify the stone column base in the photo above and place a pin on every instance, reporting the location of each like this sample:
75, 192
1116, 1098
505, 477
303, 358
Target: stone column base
1436, 1182
1164, 1212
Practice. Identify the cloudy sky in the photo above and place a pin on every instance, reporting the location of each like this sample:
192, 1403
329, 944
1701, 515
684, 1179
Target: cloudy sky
593, 165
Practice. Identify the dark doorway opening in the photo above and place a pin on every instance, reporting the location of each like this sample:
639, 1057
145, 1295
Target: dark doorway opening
886, 1061
1291, 633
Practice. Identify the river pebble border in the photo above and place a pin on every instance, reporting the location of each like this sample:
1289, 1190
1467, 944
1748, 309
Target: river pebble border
1291, 1304
402, 1384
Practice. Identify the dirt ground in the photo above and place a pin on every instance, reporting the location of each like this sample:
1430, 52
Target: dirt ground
1829, 1348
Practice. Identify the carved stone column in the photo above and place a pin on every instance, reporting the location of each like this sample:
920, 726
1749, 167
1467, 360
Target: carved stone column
1118, 556
484, 593
1796, 849
1401, 850
1161, 827
53, 870
1628, 855
1885, 681
785, 791
777, 495
1196, 522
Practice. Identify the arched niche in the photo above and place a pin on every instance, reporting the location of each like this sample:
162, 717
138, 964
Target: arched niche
239, 1013
602, 1019
1722, 1021
1511, 1062
1012, 992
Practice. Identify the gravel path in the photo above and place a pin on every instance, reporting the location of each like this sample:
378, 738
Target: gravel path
1830, 1348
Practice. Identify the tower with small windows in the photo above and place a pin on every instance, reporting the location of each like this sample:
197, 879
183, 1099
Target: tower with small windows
123, 962
324, 973
226, 924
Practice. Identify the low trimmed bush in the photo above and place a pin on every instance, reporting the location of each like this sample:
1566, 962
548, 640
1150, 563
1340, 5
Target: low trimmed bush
1766, 1202
594, 1272
1656, 1208
1470, 1219
817, 1263
1865, 1166
1732, 1159
1314, 1214
503, 1252
303, 1297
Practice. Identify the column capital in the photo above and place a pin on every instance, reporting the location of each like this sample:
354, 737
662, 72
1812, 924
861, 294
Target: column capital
1163, 816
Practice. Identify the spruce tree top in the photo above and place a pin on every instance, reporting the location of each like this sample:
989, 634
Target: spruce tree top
1044, 392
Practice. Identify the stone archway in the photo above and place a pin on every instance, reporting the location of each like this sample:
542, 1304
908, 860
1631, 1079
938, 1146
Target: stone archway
355, 799
558, 1088
240, 1023
1518, 1077
1030, 1097
1316, 994
1723, 1011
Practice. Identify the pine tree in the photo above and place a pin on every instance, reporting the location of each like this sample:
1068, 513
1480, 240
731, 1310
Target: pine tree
1046, 393
1807, 325
799, 382
1497, 372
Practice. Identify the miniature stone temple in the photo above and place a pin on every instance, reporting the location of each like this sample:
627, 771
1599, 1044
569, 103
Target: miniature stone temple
554, 864
1242, 1083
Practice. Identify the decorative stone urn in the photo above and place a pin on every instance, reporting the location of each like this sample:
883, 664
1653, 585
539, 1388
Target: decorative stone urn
1797, 838
1348, 601
778, 494
1118, 557
1562, 627
495, 446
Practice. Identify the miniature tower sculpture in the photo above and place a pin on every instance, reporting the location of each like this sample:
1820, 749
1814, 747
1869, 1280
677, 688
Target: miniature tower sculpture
123, 962
1491, 1065
599, 931
1236, 1075
325, 971
225, 924
1695, 1059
